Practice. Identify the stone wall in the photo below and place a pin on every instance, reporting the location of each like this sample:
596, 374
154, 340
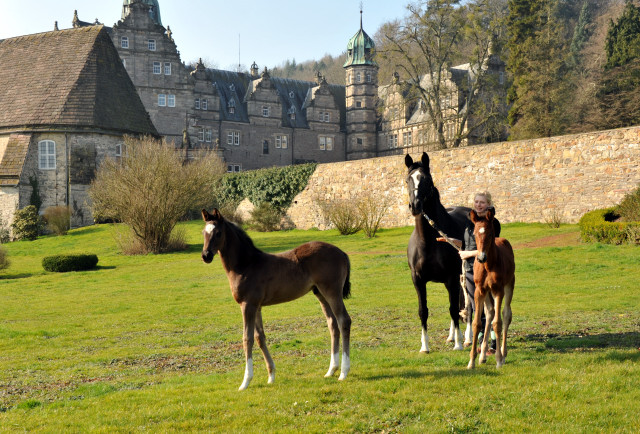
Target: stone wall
530, 181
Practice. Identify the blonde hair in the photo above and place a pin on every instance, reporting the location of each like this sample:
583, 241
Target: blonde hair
486, 195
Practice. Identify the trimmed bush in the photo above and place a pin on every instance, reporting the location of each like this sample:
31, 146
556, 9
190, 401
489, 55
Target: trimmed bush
604, 226
629, 208
64, 263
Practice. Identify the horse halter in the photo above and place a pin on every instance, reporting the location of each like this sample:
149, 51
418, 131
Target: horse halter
417, 181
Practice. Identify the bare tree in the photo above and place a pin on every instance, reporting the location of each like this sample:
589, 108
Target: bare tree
424, 46
151, 187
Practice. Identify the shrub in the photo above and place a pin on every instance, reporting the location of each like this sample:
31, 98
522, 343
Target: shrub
372, 208
4, 259
343, 214
151, 188
629, 208
603, 226
64, 263
266, 218
277, 186
27, 224
5, 235
58, 219
553, 219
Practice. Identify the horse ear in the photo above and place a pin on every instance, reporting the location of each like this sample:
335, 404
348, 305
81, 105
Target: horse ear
425, 160
473, 216
408, 161
490, 213
205, 215
215, 214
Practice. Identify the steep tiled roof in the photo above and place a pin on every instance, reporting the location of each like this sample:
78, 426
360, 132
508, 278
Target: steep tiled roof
68, 79
13, 158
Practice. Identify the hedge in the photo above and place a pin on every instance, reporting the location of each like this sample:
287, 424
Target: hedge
600, 226
64, 263
277, 186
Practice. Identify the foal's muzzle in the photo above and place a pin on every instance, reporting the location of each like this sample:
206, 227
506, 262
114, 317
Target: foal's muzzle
207, 256
482, 257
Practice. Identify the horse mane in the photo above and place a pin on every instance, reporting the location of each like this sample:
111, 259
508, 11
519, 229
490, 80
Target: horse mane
243, 237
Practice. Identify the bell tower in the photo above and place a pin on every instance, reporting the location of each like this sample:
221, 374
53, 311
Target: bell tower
361, 95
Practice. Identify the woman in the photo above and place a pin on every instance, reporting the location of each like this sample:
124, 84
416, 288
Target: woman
469, 251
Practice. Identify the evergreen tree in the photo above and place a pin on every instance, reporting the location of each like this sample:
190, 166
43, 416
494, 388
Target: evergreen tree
623, 38
539, 52
619, 90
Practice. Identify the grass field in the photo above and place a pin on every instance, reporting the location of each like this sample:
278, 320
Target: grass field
154, 343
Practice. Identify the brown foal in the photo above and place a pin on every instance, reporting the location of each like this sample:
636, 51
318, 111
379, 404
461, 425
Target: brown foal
257, 279
493, 271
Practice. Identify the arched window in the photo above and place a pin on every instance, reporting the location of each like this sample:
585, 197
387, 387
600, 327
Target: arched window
47, 155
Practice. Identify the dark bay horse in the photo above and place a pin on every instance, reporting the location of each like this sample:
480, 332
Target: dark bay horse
260, 279
429, 259
493, 272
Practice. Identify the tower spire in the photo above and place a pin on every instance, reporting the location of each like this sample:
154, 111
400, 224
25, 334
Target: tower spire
360, 15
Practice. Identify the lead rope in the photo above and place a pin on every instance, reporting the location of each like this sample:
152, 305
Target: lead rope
466, 312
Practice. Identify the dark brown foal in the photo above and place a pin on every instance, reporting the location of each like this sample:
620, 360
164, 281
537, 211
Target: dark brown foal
260, 279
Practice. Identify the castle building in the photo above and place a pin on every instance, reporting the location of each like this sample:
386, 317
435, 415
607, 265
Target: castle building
67, 103
253, 120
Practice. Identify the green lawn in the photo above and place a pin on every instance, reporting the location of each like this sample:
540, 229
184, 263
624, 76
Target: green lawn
154, 343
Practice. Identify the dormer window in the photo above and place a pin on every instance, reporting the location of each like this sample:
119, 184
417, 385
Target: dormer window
124, 42
265, 111
231, 106
292, 113
152, 44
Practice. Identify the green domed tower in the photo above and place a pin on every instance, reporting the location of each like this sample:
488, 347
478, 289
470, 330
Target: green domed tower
154, 9
361, 94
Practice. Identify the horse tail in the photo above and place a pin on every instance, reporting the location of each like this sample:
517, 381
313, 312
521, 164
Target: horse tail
346, 289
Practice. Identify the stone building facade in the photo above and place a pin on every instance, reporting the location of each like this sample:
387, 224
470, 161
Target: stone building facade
254, 120
66, 104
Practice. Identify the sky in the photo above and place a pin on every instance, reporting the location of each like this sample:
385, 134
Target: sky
268, 32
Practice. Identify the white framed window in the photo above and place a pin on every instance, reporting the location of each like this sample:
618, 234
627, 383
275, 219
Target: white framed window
326, 143
234, 168
208, 135
233, 138
324, 116
171, 100
205, 104
407, 139
47, 155
156, 68
152, 44
167, 68
201, 135
265, 111
197, 103
162, 100
119, 150
124, 42
282, 141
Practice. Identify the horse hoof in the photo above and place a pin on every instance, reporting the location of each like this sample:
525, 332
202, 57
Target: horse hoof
467, 344
449, 339
471, 365
424, 351
272, 378
458, 348
342, 376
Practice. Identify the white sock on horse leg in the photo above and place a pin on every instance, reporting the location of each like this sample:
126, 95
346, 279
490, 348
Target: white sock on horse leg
346, 366
333, 366
248, 374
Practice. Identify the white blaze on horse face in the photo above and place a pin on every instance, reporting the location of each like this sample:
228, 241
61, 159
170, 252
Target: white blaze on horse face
209, 228
416, 180
481, 231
